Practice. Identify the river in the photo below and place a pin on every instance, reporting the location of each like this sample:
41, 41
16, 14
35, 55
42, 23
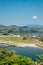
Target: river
31, 52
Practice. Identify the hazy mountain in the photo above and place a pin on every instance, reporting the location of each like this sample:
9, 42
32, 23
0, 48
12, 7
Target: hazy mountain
13, 29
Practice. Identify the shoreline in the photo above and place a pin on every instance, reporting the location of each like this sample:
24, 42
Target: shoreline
21, 45
26, 45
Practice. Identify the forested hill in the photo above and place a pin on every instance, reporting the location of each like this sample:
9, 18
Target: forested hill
13, 29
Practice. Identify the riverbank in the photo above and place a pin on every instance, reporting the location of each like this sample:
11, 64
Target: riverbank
6, 44
28, 45
25, 45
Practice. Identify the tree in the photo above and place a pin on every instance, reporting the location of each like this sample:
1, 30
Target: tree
40, 59
41, 39
24, 38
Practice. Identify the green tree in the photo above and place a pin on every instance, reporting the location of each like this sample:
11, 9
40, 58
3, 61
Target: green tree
40, 59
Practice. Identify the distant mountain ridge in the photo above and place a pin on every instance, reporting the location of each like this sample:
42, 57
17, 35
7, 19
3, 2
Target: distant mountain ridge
28, 29
39, 26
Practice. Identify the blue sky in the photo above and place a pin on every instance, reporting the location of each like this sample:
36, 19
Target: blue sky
21, 12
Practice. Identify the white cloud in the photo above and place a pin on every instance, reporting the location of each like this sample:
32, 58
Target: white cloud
34, 17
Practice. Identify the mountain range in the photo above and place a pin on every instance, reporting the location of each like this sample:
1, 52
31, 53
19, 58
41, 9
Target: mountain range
14, 29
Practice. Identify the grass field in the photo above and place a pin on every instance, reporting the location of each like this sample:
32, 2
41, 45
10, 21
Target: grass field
11, 39
17, 40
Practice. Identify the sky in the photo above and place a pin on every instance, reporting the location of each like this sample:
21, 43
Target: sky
21, 12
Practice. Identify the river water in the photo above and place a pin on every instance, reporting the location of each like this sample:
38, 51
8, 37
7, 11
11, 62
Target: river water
27, 51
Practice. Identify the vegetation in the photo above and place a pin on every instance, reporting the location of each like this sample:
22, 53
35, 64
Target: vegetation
22, 39
40, 59
41, 39
8, 57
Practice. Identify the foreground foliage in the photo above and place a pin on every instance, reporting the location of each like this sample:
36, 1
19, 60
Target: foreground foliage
10, 58
40, 59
